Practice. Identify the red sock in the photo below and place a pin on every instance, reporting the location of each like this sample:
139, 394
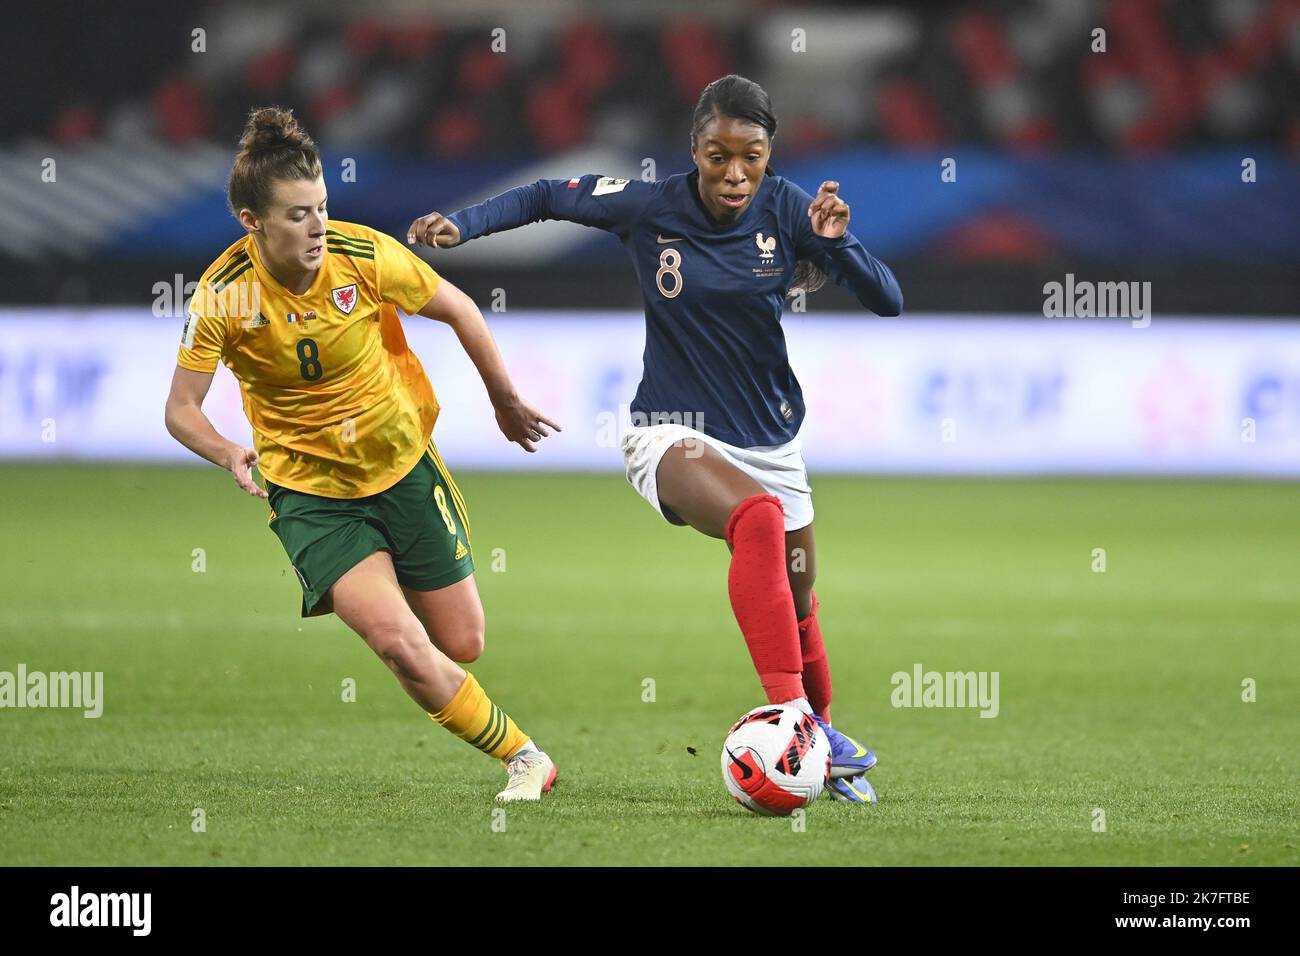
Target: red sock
761, 597
816, 669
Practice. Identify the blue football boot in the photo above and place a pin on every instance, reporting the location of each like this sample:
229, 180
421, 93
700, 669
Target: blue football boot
852, 789
848, 757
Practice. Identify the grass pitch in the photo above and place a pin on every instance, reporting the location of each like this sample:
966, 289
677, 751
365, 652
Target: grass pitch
1120, 691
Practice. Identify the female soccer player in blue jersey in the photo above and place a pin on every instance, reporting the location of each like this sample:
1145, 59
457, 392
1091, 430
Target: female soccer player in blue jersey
713, 441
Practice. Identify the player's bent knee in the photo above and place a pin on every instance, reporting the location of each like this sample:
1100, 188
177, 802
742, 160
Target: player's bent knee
467, 646
461, 637
400, 646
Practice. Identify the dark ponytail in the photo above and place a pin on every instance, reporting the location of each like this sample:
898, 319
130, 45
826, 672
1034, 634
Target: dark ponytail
745, 100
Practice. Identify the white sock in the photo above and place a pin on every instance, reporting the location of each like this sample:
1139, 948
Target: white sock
802, 704
528, 745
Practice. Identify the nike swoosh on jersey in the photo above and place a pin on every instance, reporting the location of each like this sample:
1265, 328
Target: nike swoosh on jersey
662, 239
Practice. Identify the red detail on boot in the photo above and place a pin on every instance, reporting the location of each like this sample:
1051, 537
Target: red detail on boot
816, 668
761, 598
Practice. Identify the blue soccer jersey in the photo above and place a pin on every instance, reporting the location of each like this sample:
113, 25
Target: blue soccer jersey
715, 354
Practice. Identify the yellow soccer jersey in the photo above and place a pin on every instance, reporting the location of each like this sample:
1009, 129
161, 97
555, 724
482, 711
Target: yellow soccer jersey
340, 406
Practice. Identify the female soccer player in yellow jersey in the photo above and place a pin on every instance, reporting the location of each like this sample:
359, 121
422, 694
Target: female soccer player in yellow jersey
304, 313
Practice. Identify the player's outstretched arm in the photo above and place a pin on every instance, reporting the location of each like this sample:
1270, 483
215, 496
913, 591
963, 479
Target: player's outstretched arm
518, 420
508, 210
189, 426
591, 200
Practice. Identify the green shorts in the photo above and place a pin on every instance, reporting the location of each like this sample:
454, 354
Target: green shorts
421, 521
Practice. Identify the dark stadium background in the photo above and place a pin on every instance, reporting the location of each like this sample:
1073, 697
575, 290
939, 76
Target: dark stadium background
1091, 162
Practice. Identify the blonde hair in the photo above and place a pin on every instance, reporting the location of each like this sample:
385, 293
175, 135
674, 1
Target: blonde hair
273, 147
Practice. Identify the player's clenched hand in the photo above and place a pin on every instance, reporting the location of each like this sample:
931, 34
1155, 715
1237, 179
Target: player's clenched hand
435, 229
241, 465
830, 213
522, 423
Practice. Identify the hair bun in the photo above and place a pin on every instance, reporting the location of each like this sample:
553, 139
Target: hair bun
273, 147
273, 128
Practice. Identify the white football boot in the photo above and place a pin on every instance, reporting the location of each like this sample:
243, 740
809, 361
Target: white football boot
532, 774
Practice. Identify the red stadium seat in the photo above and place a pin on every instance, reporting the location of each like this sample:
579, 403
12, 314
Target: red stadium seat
456, 133
590, 60
180, 111
270, 71
557, 115
481, 71
695, 56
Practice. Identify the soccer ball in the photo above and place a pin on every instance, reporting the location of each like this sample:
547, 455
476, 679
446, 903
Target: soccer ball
775, 760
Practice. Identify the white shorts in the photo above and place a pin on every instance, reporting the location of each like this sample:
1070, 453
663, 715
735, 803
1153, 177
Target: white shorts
778, 469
